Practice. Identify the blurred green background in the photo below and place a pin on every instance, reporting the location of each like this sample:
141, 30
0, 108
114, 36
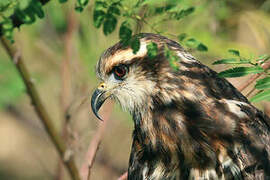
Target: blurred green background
61, 51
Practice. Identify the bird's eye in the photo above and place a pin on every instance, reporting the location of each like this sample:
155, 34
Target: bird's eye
120, 71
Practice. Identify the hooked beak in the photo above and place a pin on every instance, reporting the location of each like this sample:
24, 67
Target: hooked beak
98, 98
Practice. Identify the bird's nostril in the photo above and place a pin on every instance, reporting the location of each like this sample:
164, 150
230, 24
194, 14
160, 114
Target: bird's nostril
102, 86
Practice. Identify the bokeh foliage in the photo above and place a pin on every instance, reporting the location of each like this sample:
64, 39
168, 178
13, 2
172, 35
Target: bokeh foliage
152, 14
234, 35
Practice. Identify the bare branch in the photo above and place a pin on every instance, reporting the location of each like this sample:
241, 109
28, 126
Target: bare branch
39, 108
124, 176
94, 145
66, 87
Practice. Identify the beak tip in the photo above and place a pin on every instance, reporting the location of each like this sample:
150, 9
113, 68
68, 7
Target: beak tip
96, 102
97, 115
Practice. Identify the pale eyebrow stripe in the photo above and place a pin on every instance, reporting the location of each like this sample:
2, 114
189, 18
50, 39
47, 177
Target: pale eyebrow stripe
124, 56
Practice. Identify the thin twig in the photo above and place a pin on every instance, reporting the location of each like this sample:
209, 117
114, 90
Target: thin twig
66, 80
40, 109
139, 22
85, 170
253, 78
250, 92
124, 176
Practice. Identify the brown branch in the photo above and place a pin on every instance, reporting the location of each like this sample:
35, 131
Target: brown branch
139, 22
250, 92
124, 176
39, 107
90, 156
66, 79
253, 78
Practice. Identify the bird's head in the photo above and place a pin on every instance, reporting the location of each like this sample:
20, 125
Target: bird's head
132, 79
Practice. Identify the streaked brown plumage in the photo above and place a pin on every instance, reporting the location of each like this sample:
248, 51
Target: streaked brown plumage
188, 124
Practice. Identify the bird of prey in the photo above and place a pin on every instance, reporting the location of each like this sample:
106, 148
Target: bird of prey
188, 123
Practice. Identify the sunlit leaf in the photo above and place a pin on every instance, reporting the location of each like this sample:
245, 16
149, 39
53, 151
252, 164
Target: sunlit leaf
7, 24
100, 5
192, 43
152, 50
241, 71
231, 61
4, 7
7, 29
80, 5
263, 58
263, 83
234, 52
265, 95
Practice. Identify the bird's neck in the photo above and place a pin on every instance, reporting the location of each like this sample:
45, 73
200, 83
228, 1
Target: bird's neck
154, 139
153, 127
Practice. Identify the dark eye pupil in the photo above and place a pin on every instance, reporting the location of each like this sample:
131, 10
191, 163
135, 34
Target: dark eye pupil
120, 71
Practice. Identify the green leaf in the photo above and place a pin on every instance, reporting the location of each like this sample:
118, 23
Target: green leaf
244, 61
182, 36
109, 24
5, 7
231, 61
36, 7
202, 47
263, 58
114, 10
80, 5
29, 17
7, 24
192, 43
152, 50
263, 83
83, 2
241, 71
99, 17
135, 44
162, 9
62, 1
100, 5
183, 13
189, 11
7, 29
234, 52
172, 58
125, 31
265, 95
